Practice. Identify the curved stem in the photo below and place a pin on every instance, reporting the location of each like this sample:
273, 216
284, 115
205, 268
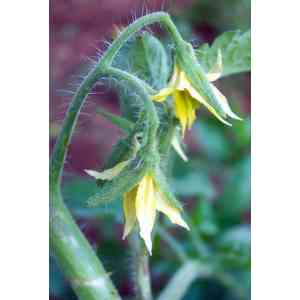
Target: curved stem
63, 141
157, 17
148, 103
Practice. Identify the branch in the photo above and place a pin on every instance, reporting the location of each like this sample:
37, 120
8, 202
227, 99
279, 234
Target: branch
182, 279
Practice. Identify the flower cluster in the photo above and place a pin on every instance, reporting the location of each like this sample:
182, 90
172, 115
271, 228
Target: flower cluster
145, 194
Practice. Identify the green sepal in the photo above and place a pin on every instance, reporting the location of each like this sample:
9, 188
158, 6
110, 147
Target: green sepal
235, 47
125, 125
161, 181
135, 148
187, 61
124, 182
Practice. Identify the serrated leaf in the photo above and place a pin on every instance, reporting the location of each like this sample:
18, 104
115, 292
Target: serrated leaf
235, 47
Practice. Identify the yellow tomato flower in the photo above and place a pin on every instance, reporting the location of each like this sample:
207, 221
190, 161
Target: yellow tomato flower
187, 99
141, 204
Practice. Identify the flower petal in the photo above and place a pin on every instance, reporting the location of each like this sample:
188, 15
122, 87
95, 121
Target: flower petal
183, 83
172, 212
165, 92
180, 109
216, 71
162, 94
146, 209
224, 103
177, 147
129, 211
109, 174
190, 108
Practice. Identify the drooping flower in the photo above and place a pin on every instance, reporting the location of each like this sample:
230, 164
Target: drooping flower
141, 204
187, 99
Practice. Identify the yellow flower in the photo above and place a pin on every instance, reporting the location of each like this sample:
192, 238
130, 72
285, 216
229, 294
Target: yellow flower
141, 204
187, 99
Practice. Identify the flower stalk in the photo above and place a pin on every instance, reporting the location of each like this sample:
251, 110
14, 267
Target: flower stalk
140, 259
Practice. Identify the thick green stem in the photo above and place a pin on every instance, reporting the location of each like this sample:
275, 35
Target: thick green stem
75, 256
140, 259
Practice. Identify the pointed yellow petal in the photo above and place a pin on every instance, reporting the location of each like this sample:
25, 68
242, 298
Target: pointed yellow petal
175, 77
180, 109
199, 98
146, 209
177, 147
183, 83
163, 94
108, 174
224, 103
129, 211
190, 108
216, 71
168, 209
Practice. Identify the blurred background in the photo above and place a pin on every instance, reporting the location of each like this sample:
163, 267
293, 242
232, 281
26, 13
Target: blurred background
214, 186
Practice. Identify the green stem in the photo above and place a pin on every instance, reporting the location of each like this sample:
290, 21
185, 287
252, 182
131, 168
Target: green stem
172, 243
157, 17
141, 268
75, 256
148, 103
182, 279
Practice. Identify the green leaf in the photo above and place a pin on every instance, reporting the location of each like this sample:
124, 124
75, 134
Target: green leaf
236, 52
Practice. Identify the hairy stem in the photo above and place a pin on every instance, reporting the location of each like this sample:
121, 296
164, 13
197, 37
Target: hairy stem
64, 138
141, 268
